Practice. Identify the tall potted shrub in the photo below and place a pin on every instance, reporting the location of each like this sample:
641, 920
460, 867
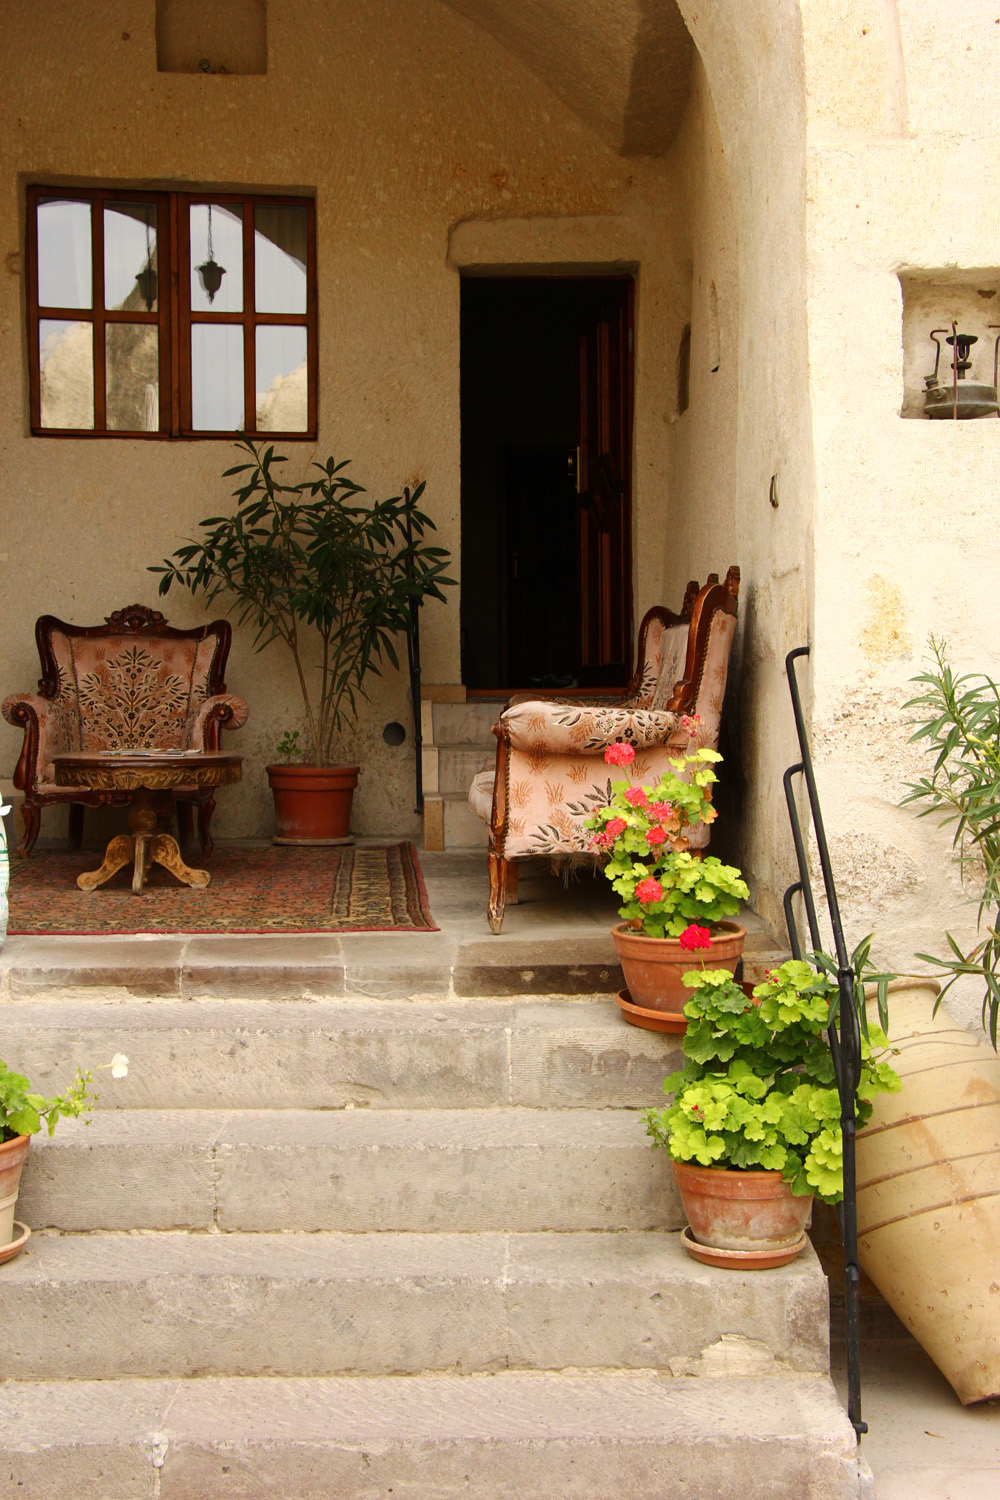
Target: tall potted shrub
332, 579
674, 902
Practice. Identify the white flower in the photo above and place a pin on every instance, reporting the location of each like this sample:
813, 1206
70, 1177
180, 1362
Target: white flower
119, 1065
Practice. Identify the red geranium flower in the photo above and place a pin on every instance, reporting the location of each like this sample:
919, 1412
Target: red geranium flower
661, 811
619, 754
695, 937
649, 890
655, 836
636, 797
615, 826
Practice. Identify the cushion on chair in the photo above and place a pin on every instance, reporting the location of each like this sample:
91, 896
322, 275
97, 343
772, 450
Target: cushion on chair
481, 794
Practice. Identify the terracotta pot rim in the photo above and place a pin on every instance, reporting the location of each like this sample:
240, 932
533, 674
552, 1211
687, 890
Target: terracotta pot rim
745, 1174
725, 930
312, 770
9, 1145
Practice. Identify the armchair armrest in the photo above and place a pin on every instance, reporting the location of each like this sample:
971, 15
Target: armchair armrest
221, 711
588, 729
43, 723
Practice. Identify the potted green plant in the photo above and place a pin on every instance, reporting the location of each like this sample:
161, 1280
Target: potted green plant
673, 899
959, 724
22, 1114
334, 580
754, 1129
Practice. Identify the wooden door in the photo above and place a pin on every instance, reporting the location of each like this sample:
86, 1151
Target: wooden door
604, 484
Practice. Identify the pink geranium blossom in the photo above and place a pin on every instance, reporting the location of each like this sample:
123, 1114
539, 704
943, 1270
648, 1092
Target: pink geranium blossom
601, 841
649, 890
615, 826
636, 797
661, 811
655, 836
619, 754
695, 937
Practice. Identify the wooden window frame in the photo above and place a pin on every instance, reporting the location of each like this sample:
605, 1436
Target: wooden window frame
174, 317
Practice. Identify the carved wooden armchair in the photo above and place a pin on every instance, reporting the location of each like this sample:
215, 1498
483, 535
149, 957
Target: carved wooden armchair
132, 683
550, 772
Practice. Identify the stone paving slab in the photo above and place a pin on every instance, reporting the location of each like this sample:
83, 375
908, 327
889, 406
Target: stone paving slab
567, 1437
517, 1169
328, 1054
109, 1305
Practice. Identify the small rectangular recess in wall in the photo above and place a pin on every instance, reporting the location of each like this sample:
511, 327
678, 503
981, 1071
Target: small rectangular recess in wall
211, 36
933, 300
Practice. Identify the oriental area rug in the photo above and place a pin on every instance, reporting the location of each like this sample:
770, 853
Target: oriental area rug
254, 889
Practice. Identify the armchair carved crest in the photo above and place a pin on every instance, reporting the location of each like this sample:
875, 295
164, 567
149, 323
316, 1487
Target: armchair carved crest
550, 774
134, 682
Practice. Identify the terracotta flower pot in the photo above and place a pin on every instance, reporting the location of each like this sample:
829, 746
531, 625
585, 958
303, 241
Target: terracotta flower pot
929, 1189
754, 1214
312, 804
13, 1154
653, 966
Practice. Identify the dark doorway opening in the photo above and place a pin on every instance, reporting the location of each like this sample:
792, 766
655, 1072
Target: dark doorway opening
546, 411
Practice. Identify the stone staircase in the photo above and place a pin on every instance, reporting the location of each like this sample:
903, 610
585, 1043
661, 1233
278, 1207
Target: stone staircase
457, 742
358, 1248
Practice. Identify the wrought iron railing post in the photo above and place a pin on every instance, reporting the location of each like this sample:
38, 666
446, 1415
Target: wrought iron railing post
845, 1046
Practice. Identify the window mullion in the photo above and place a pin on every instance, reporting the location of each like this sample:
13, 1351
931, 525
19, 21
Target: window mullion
97, 313
249, 308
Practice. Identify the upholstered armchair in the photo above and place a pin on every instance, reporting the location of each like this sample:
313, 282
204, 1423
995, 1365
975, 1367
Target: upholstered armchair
132, 683
550, 772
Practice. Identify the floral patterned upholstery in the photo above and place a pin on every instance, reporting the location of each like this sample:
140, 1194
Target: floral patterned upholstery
550, 773
134, 684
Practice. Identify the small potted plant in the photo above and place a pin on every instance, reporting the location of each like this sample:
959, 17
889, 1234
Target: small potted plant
754, 1128
336, 582
674, 901
22, 1114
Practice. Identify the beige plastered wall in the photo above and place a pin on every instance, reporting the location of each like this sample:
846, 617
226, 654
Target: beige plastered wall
904, 180
415, 129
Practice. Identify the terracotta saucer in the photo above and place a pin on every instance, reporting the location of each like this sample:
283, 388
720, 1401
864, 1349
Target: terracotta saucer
652, 1020
734, 1260
7, 1252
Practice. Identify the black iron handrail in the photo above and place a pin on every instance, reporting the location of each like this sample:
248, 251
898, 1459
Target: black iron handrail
845, 1046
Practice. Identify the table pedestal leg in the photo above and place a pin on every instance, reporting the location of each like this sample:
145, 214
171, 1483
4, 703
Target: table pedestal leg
143, 845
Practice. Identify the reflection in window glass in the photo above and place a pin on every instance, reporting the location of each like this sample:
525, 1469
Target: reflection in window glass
130, 279
282, 390
216, 257
217, 377
132, 377
280, 259
66, 357
64, 265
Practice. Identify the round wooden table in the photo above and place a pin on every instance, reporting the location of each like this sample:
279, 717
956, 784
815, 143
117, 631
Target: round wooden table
150, 777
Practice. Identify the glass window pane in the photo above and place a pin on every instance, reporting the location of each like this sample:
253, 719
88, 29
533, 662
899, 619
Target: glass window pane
64, 262
66, 356
282, 390
132, 372
130, 279
280, 259
216, 257
217, 377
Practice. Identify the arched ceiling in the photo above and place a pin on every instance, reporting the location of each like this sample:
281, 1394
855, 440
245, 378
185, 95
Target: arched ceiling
622, 66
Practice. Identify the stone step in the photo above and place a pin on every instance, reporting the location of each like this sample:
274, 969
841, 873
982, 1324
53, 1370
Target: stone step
565, 1437
462, 828
469, 723
100, 1306
209, 1054
513, 1169
458, 764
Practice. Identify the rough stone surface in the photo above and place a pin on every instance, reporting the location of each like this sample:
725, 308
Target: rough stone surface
102, 1306
325, 1055
575, 1436
453, 1170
